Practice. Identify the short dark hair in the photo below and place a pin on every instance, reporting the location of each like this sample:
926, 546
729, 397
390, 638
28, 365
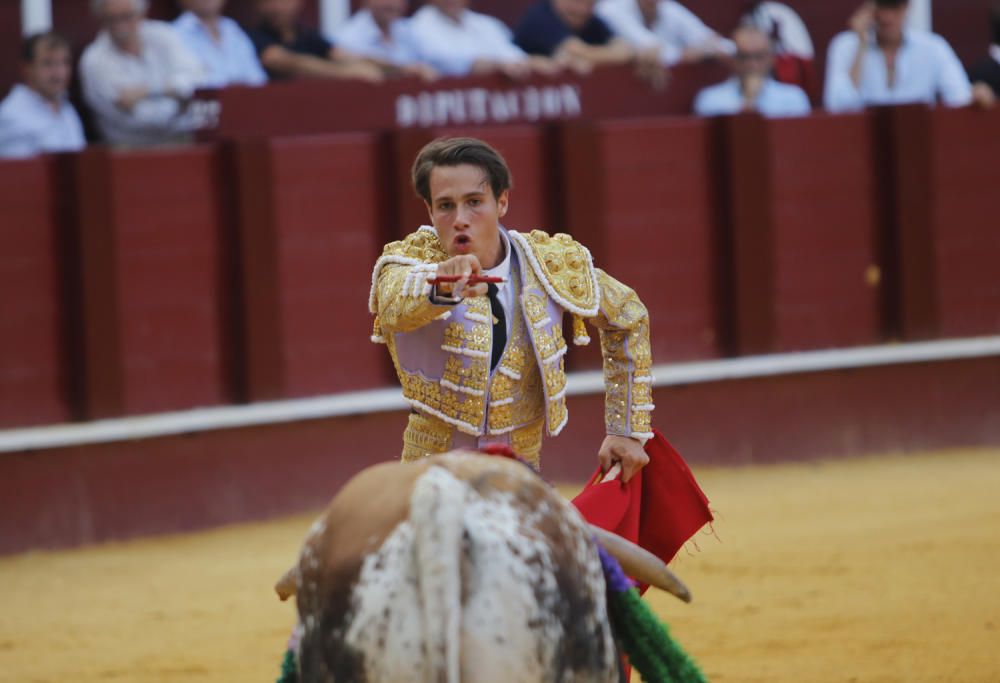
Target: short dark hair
47, 39
455, 152
891, 3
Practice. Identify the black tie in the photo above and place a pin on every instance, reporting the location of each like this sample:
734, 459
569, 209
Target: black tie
499, 324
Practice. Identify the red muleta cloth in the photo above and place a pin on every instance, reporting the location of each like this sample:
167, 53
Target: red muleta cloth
659, 509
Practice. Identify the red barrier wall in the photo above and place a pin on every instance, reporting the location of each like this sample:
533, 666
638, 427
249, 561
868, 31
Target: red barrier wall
308, 107
882, 409
34, 378
946, 230
86, 494
71, 496
308, 212
152, 263
10, 45
642, 196
240, 272
804, 232
966, 178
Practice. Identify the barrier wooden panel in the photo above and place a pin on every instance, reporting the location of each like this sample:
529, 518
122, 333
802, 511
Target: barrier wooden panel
10, 29
152, 264
93, 493
804, 230
643, 196
309, 208
308, 107
34, 381
528, 152
966, 221
911, 225
947, 239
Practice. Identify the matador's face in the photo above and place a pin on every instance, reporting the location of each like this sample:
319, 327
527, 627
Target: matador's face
465, 213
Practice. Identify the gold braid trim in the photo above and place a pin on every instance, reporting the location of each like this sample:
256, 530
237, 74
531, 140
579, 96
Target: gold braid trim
624, 327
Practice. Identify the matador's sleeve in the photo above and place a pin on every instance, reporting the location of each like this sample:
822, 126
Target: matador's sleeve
400, 294
403, 298
623, 323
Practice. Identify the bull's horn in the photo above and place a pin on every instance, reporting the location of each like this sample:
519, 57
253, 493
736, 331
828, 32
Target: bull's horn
288, 584
641, 564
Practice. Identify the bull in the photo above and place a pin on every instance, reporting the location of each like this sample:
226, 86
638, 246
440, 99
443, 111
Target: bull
460, 567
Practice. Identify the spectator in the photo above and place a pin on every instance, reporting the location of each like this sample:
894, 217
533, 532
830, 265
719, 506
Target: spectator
457, 41
879, 62
794, 56
785, 27
226, 54
138, 77
288, 49
986, 72
570, 32
35, 116
675, 31
752, 88
380, 32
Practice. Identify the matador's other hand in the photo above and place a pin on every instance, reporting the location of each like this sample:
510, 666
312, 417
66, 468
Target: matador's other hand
625, 450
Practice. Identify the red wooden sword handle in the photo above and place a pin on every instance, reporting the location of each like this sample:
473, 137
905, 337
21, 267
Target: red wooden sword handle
473, 279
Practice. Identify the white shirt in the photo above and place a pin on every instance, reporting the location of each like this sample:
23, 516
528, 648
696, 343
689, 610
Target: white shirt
926, 68
451, 47
231, 60
361, 35
995, 52
505, 292
774, 99
674, 30
29, 125
164, 64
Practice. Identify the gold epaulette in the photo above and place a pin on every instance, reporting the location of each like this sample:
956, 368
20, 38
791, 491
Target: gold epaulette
422, 245
565, 269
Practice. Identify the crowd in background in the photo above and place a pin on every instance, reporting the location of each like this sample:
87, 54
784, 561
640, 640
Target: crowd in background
138, 76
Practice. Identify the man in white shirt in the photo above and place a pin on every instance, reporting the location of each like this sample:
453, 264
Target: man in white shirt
879, 62
226, 53
664, 24
138, 77
36, 117
380, 32
752, 88
457, 42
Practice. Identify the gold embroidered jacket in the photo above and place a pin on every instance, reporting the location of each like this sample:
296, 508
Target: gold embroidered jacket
442, 353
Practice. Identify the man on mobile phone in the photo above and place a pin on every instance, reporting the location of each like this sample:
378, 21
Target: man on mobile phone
879, 61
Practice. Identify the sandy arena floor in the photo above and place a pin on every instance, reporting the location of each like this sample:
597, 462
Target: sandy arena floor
873, 570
